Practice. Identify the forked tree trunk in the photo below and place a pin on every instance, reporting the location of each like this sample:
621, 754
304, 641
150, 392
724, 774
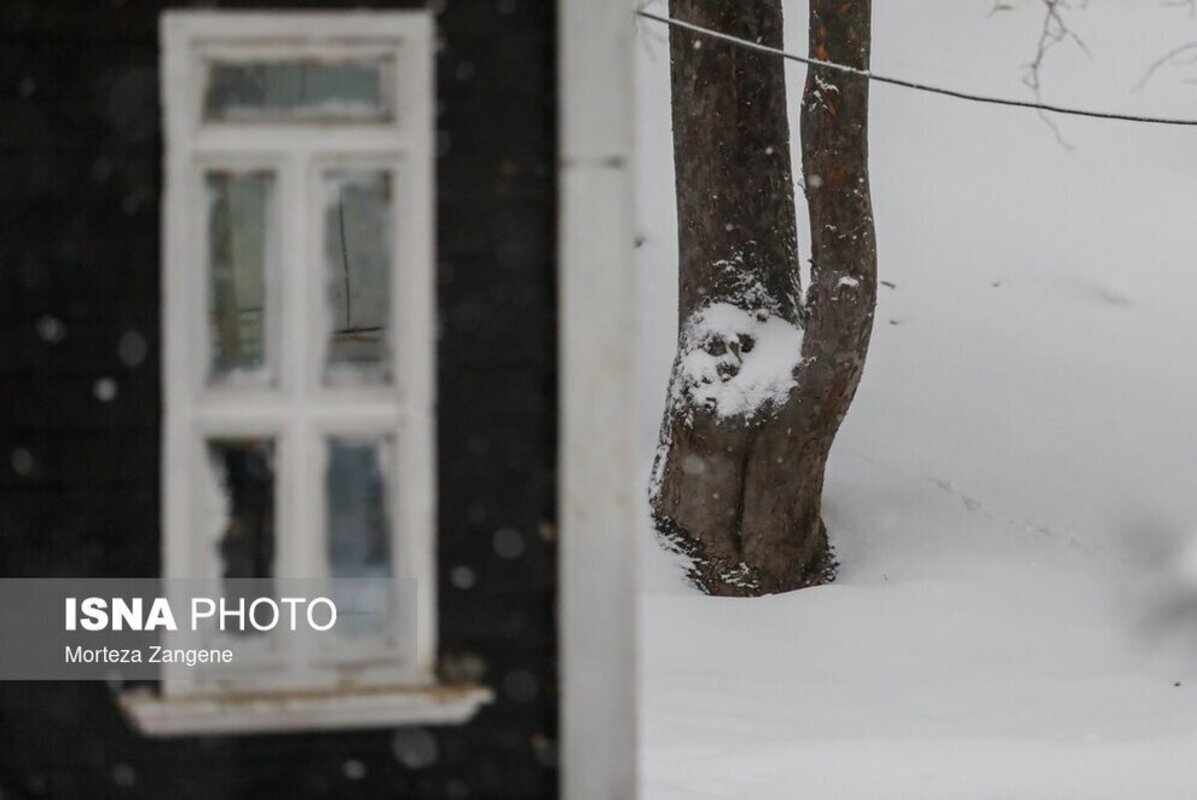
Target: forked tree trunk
763, 376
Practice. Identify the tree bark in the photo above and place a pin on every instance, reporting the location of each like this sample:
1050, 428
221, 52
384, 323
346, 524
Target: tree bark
738, 480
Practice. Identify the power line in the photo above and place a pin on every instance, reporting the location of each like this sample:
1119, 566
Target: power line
907, 84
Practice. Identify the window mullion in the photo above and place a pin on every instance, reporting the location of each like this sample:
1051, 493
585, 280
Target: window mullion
304, 533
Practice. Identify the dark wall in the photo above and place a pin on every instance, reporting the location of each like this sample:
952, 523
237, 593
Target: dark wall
80, 401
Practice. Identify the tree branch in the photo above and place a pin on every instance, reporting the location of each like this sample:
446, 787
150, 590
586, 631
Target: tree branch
1166, 58
1054, 31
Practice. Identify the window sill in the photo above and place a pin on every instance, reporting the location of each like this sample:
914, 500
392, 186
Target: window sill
293, 712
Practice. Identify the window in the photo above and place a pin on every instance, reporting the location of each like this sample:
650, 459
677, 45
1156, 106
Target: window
298, 322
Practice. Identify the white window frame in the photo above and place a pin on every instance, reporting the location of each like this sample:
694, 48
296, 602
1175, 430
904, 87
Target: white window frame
297, 409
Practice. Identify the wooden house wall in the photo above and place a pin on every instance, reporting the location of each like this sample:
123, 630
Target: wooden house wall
81, 401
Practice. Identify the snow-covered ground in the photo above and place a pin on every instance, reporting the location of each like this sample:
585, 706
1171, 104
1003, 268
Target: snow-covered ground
1014, 494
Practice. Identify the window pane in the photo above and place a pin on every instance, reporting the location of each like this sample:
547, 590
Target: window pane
357, 257
243, 472
359, 527
263, 91
239, 209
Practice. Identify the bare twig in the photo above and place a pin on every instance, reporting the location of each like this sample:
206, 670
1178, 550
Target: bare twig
1054, 31
1170, 56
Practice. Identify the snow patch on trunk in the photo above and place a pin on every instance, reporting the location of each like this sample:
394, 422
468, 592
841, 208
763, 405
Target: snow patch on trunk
736, 362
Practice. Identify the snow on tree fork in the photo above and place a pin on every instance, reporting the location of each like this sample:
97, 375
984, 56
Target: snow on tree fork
763, 377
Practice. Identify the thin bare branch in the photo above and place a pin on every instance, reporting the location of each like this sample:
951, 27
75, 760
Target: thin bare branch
1171, 56
1054, 31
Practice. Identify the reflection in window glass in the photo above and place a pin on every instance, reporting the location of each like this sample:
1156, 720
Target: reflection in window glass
357, 257
243, 474
298, 90
359, 527
239, 207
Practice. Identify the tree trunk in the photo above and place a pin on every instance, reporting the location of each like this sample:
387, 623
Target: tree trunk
763, 378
